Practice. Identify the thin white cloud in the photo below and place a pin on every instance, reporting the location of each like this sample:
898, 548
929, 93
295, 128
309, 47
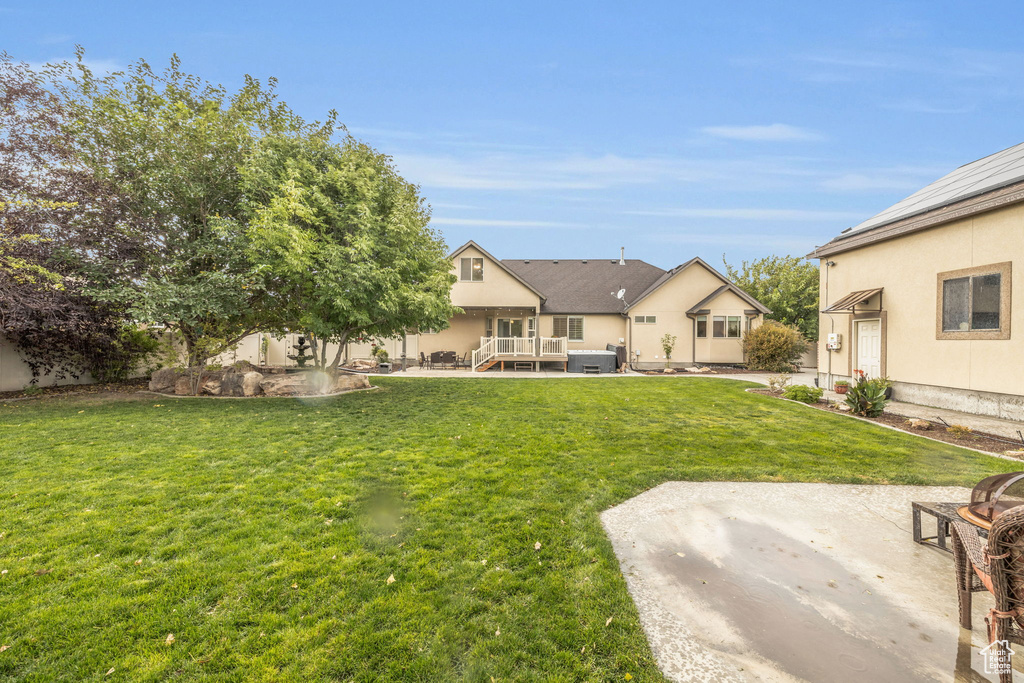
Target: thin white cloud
903, 178
503, 223
754, 214
920, 107
776, 243
776, 132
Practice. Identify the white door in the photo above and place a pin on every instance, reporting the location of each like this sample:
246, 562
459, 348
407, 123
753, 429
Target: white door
869, 347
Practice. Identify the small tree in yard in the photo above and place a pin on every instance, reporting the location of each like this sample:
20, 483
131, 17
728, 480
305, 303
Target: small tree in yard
668, 342
773, 347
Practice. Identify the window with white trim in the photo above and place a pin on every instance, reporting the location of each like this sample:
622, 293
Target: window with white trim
569, 326
471, 269
723, 326
645, 319
531, 327
702, 326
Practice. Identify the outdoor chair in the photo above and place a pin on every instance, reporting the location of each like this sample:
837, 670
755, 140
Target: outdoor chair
423, 360
450, 358
995, 565
464, 361
435, 359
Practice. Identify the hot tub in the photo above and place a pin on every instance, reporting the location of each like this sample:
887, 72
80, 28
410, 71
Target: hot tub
591, 361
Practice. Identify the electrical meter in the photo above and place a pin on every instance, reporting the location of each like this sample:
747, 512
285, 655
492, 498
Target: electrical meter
834, 342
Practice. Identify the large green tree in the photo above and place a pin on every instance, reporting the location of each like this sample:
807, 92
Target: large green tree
788, 285
346, 242
172, 146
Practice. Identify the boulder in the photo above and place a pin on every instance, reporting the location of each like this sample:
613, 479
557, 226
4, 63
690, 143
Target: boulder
294, 384
210, 383
211, 386
164, 379
669, 371
843, 407
240, 383
919, 424
347, 382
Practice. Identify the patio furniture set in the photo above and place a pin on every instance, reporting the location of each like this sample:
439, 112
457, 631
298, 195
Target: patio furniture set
444, 360
987, 542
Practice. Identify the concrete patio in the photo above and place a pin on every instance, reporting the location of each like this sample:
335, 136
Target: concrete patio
794, 582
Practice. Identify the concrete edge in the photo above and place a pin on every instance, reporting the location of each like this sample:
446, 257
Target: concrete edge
901, 431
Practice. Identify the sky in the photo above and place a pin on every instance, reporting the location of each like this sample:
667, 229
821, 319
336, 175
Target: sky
569, 130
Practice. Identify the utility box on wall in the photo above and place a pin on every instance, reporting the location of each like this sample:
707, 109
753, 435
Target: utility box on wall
834, 341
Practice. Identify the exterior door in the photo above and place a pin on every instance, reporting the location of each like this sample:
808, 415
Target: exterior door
869, 346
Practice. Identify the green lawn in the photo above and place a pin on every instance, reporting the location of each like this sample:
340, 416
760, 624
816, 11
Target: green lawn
262, 533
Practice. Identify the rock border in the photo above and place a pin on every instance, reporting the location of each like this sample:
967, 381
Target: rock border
259, 396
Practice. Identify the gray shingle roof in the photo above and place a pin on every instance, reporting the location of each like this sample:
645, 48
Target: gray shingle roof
994, 171
585, 286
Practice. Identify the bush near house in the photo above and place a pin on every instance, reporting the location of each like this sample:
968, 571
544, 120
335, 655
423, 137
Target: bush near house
773, 347
804, 394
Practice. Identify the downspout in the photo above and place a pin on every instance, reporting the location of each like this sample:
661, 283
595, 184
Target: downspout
832, 325
693, 338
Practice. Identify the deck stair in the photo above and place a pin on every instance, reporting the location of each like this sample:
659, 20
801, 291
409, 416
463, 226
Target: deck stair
499, 349
487, 365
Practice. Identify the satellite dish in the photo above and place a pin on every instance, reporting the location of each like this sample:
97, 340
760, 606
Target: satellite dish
622, 293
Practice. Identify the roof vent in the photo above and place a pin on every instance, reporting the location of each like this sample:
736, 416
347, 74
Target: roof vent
526, 261
622, 256
583, 261
846, 231
555, 261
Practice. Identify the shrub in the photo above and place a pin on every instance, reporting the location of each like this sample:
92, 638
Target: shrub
773, 347
778, 382
804, 394
841, 383
866, 397
959, 431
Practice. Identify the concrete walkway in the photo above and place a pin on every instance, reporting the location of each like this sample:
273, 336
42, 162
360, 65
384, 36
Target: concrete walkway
794, 582
981, 423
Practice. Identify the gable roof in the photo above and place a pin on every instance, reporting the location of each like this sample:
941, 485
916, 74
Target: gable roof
452, 256
585, 285
729, 287
726, 285
987, 175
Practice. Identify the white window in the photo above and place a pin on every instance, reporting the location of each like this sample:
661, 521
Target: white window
471, 269
645, 319
570, 326
725, 326
428, 330
702, 326
531, 327
489, 327
974, 303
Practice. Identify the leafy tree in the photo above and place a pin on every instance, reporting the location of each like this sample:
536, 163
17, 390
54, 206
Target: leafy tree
171, 146
346, 241
60, 239
788, 285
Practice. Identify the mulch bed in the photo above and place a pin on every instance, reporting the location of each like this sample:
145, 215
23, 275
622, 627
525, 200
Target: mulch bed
127, 387
982, 441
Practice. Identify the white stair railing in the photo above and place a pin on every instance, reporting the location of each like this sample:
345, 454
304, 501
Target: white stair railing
484, 353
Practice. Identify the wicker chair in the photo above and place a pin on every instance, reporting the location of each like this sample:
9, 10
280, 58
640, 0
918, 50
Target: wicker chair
998, 567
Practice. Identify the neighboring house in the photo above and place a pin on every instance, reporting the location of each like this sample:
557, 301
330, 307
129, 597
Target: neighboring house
924, 292
587, 304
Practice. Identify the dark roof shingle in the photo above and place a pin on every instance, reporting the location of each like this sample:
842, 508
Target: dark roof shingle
585, 286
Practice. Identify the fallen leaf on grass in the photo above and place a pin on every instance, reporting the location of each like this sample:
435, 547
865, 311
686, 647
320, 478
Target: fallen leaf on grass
391, 579
295, 585
4, 647
170, 639
536, 546
40, 572
498, 632
609, 621
109, 672
138, 561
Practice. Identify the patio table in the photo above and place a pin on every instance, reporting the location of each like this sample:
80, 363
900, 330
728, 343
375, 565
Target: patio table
944, 513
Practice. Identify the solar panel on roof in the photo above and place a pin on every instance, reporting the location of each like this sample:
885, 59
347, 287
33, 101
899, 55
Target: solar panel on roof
984, 175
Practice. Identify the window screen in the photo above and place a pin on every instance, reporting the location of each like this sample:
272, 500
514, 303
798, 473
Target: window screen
985, 302
718, 326
734, 326
702, 326
472, 270
955, 304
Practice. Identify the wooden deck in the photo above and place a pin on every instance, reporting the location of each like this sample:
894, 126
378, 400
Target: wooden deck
523, 362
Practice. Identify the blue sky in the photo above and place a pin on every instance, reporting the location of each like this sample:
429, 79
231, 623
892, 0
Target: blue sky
561, 130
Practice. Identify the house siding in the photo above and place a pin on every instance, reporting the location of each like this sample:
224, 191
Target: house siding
907, 268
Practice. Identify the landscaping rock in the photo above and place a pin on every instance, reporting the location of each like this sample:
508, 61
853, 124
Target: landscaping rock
348, 382
164, 379
210, 383
1014, 454
919, 424
843, 407
669, 371
241, 383
295, 384
211, 386
182, 386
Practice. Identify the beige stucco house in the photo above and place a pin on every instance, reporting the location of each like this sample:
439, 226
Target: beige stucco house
556, 306
924, 292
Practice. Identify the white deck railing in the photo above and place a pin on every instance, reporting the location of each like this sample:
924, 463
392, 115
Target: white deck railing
531, 347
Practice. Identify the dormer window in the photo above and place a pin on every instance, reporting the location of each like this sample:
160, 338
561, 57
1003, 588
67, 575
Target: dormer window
471, 269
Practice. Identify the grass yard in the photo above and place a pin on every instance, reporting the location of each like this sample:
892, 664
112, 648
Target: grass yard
262, 533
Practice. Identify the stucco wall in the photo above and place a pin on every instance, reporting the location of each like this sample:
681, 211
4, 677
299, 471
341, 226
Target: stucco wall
670, 303
498, 287
16, 375
908, 268
599, 330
